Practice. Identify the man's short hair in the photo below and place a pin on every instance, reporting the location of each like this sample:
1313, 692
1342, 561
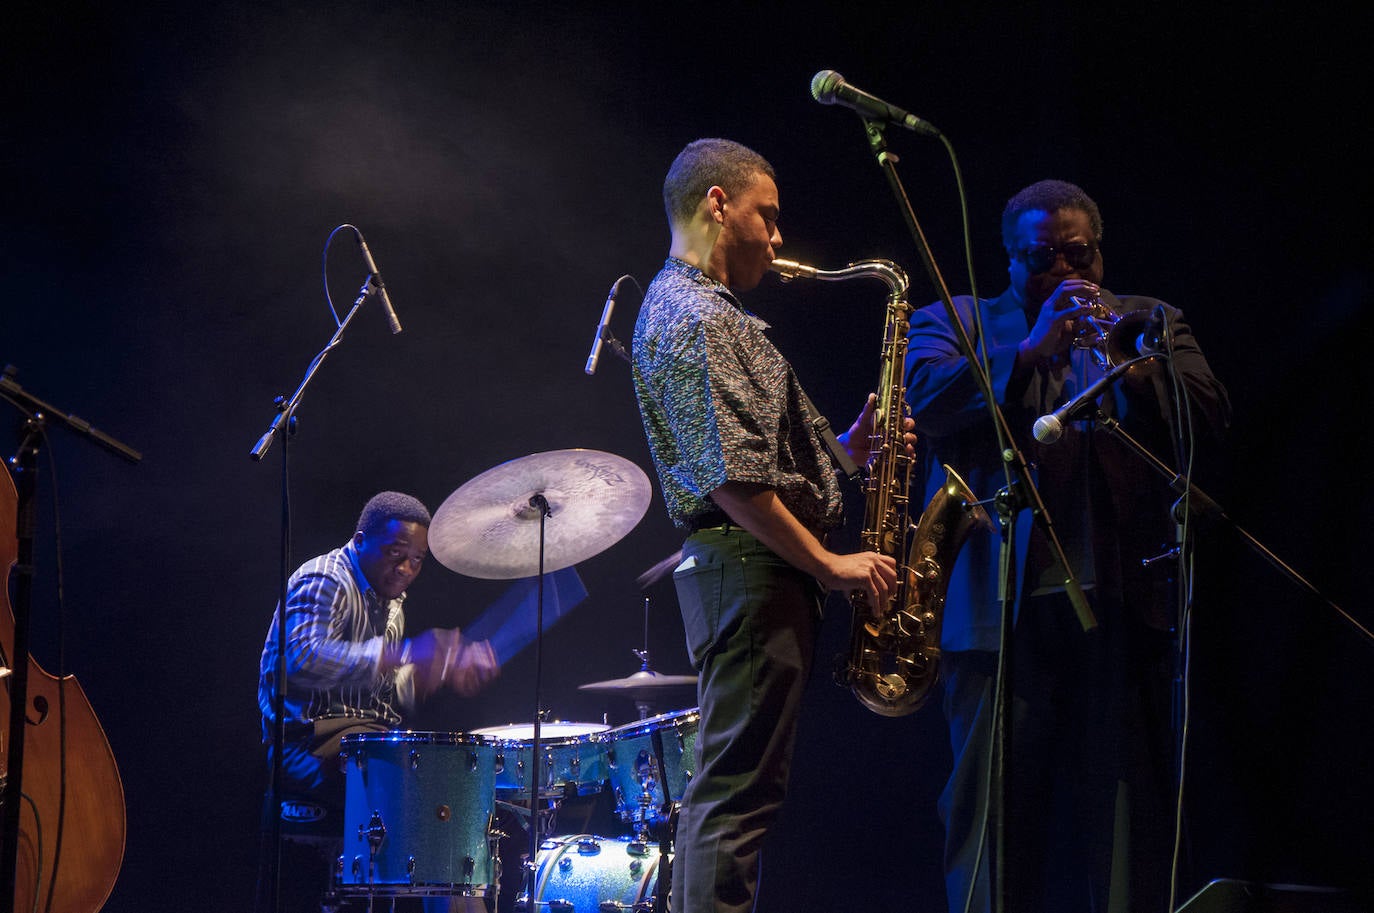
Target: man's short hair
391, 505
704, 163
1048, 196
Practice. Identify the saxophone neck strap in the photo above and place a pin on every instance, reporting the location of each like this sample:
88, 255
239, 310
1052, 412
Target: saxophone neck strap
832, 443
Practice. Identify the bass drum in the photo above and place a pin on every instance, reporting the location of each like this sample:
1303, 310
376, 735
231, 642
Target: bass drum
581, 873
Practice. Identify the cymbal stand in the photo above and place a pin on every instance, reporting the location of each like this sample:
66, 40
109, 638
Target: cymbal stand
642, 704
541, 504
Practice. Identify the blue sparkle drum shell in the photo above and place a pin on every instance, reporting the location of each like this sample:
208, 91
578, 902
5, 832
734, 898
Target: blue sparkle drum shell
425, 799
649, 764
583, 873
573, 756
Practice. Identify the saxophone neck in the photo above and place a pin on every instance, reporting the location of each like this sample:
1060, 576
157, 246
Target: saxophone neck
886, 270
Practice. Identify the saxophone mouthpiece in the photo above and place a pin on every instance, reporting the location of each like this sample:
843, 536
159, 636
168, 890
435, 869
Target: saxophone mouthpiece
791, 269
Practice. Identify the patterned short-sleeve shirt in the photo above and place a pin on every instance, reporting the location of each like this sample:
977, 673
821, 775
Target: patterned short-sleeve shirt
720, 403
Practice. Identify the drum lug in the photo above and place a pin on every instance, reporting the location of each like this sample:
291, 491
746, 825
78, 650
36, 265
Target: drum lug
561, 906
472, 760
500, 764
414, 759
374, 832
357, 868
469, 867
338, 870
410, 870
588, 846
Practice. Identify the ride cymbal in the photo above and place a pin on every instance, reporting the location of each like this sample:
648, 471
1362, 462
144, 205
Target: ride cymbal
489, 528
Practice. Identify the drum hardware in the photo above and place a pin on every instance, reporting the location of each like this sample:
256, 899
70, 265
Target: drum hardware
375, 833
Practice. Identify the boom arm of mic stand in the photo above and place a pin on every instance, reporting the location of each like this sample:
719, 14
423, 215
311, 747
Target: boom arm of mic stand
286, 409
1203, 506
1012, 456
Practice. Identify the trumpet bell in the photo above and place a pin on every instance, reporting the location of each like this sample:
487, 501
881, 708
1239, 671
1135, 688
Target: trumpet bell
1134, 333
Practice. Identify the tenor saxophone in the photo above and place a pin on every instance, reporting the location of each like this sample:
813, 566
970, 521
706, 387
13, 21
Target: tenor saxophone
894, 651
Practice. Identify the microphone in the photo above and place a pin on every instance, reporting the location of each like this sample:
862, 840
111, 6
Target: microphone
376, 279
829, 88
1050, 428
603, 328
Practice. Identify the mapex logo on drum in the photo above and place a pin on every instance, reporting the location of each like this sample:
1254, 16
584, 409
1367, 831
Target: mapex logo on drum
302, 812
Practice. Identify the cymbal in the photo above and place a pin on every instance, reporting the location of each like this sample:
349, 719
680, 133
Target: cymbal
488, 528
643, 685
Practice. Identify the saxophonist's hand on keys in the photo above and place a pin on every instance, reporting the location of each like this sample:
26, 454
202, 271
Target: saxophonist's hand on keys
871, 572
858, 440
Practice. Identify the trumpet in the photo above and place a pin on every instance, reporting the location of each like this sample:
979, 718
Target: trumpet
1113, 339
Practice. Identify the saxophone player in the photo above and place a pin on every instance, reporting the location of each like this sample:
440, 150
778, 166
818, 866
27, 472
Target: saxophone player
1089, 804
746, 474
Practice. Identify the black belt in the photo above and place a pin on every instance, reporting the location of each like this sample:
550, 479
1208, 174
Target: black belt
715, 517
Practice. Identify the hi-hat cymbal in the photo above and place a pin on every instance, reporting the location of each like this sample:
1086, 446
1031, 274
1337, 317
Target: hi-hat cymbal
643, 685
489, 529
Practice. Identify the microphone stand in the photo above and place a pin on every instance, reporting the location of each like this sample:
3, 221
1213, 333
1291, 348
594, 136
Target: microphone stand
286, 418
1024, 490
25, 470
1200, 504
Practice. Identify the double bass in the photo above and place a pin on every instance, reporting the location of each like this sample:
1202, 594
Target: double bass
72, 814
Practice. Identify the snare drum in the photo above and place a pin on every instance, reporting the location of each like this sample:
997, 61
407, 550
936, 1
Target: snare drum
573, 755
586, 874
649, 764
418, 814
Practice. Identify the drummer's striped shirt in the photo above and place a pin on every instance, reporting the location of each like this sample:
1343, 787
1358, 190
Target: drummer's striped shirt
336, 627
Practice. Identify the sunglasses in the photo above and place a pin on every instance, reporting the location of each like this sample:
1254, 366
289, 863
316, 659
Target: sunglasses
1077, 254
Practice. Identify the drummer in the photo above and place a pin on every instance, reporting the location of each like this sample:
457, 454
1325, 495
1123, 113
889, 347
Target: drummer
349, 669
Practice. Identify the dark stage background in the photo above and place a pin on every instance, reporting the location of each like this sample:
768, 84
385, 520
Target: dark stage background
172, 172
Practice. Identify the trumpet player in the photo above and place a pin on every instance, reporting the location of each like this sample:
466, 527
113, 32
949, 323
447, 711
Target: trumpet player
1089, 788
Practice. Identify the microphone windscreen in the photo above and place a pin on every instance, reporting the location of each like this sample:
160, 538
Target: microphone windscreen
824, 84
1048, 429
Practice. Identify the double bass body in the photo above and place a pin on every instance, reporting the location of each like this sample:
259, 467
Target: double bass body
72, 815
